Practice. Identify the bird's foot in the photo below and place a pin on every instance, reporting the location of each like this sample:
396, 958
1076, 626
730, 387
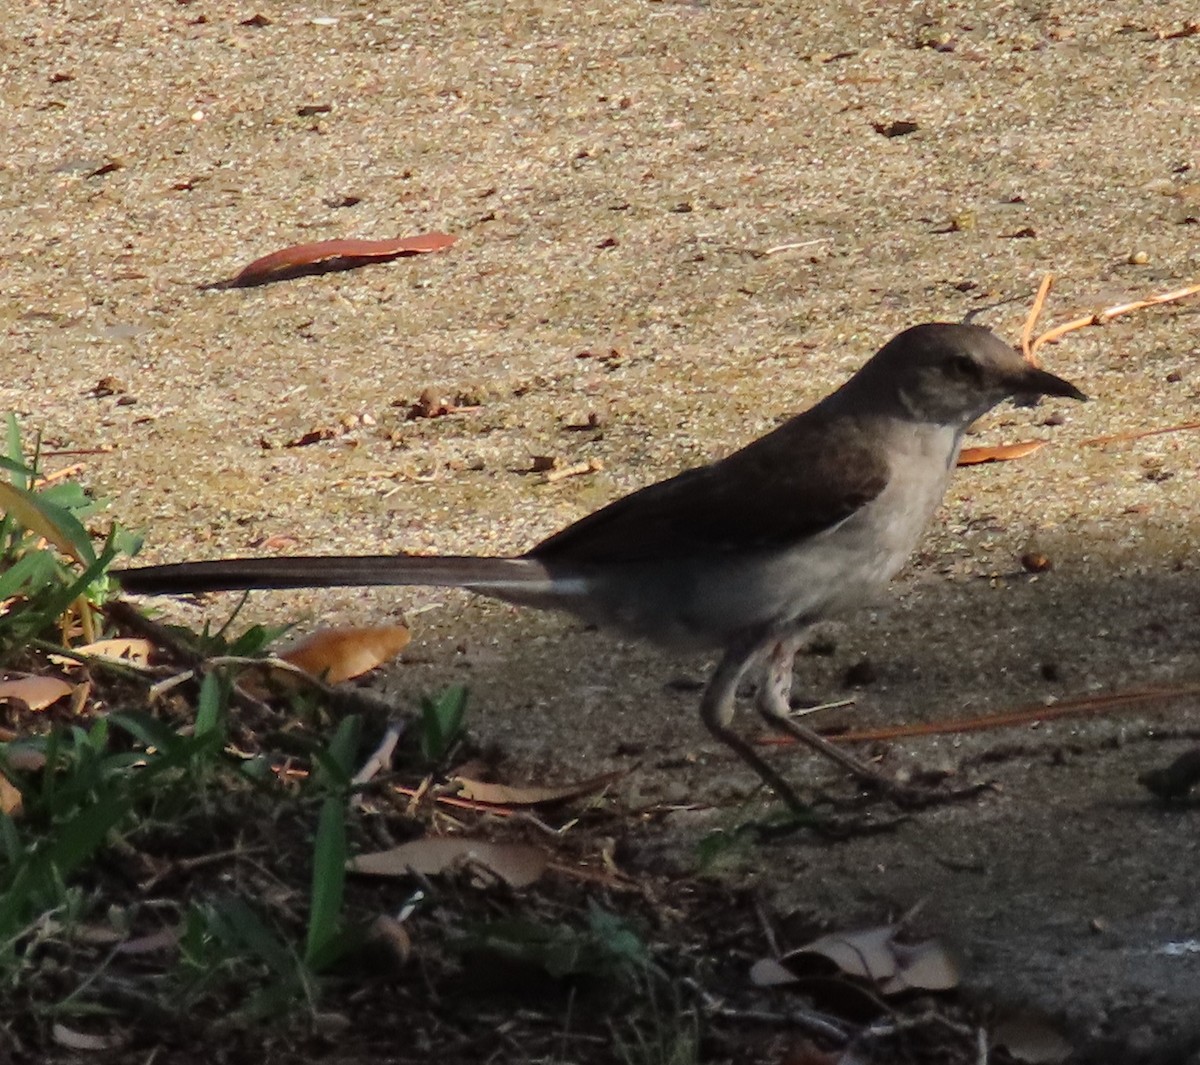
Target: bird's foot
922, 796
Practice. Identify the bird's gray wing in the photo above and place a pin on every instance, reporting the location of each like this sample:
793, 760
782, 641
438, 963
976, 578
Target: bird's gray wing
795, 482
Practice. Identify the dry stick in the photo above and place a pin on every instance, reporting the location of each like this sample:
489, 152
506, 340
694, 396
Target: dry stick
58, 475
379, 760
1089, 704
1107, 315
1039, 301
1029, 348
576, 470
1136, 434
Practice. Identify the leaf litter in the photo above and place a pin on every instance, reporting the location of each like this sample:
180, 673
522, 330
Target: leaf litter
324, 256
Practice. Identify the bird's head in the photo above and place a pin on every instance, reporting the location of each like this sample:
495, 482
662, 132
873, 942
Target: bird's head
952, 374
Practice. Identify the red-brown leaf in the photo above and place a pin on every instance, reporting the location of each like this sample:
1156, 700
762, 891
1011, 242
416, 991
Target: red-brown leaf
326, 255
971, 456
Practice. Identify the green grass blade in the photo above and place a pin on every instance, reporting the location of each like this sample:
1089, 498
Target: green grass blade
328, 883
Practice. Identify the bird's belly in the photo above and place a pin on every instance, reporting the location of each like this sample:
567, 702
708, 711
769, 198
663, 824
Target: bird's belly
707, 605
706, 602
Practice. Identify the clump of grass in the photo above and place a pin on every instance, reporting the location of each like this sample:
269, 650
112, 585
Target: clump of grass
52, 578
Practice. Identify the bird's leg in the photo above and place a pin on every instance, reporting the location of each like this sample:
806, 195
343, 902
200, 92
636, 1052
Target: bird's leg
716, 710
774, 703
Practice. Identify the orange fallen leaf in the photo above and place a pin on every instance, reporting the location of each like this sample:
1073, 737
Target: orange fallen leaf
336, 655
36, 693
971, 456
518, 864
325, 255
530, 795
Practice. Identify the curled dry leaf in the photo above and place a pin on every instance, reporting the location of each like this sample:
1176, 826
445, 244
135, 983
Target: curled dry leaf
342, 654
517, 795
36, 693
132, 650
972, 456
517, 864
767, 972
326, 255
873, 955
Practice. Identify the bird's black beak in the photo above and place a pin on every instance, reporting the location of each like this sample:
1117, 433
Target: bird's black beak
1037, 382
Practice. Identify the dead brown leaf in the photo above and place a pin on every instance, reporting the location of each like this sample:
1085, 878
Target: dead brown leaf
530, 795
341, 654
130, 650
325, 255
871, 954
36, 693
517, 864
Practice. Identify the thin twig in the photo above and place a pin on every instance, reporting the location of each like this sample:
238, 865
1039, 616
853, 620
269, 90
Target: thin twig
1085, 704
836, 704
58, 475
1136, 434
575, 470
1039, 301
1107, 315
813, 1023
380, 758
778, 249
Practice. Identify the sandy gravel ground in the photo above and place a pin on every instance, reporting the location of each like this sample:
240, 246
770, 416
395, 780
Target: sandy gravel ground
622, 177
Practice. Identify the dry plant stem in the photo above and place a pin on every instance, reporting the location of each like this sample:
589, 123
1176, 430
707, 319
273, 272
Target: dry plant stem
578, 469
1035, 312
1137, 434
819, 1024
380, 758
201, 860
59, 475
1090, 704
1107, 315
778, 249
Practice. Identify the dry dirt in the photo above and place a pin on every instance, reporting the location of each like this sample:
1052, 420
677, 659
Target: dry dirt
622, 177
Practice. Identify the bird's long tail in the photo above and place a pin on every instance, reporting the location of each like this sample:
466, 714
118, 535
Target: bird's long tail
491, 576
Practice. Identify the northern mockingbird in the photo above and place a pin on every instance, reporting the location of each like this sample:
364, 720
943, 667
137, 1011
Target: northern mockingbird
743, 554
